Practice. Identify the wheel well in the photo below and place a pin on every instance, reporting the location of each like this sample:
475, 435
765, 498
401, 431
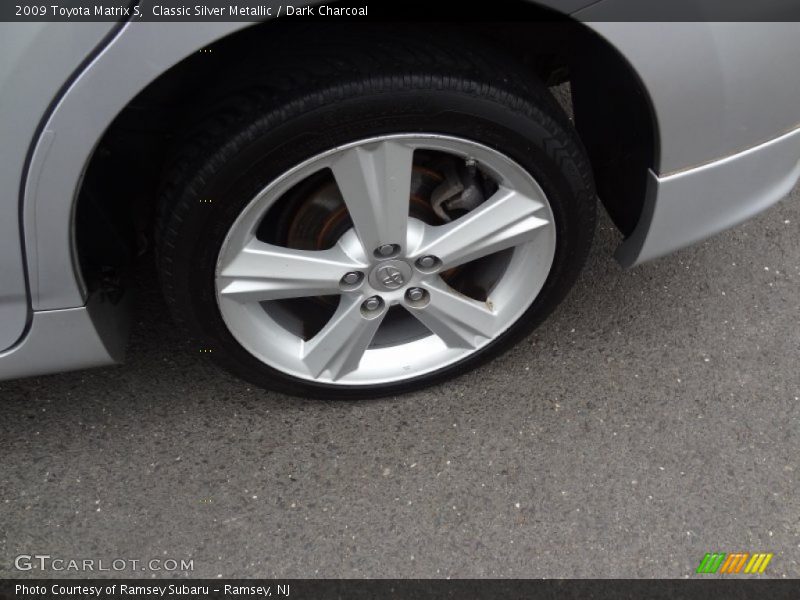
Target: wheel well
598, 89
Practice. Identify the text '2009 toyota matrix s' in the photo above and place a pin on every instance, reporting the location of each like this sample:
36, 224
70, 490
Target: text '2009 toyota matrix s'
351, 209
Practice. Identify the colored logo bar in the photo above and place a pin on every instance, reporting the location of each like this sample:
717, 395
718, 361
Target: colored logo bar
736, 562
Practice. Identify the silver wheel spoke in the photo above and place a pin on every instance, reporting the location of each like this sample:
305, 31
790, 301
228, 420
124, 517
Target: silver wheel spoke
506, 219
375, 182
339, 346
265, 272
459, 321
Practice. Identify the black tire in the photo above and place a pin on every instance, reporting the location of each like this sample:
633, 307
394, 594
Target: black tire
342, 93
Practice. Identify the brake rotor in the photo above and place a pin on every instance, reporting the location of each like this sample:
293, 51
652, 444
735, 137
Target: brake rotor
320, 219
313, 215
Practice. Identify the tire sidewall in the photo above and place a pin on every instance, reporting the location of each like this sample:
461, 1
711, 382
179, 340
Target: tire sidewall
269, 145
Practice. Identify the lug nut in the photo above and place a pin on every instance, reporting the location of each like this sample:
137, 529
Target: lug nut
387, 250
351, 278
415, 294
371, 304
426, 262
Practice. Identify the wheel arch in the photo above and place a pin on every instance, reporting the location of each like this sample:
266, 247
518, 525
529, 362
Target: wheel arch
67, 147
151, 93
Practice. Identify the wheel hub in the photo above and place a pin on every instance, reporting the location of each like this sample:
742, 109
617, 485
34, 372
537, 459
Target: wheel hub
390, 275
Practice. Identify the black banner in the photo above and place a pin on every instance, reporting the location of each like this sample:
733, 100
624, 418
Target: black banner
406, 10
410, 589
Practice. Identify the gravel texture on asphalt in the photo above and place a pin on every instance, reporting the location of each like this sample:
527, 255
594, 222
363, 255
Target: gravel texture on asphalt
653, 418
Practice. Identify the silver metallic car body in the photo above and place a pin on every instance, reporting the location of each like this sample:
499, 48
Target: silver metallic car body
724, 97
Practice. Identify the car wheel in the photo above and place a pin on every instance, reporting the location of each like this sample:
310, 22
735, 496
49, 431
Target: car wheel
379, 228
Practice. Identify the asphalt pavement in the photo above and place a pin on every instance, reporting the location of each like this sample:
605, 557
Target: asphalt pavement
653, 418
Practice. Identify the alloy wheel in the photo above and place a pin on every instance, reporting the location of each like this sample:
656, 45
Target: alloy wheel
432, 247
